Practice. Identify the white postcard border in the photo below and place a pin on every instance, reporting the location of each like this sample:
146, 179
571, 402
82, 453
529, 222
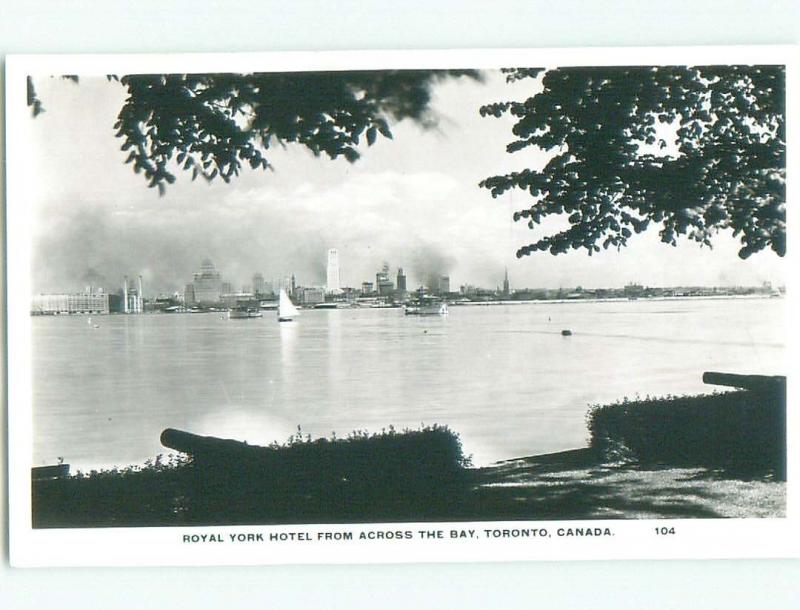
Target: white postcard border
631, 539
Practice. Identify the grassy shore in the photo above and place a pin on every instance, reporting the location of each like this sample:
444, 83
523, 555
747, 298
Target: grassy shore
715, 456
577, 485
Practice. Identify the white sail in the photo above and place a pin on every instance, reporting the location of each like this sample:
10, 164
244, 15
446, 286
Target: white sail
286, 309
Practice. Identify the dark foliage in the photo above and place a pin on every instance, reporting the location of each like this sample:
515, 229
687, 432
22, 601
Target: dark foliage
743, 432
391, 476
213, 124
691, 149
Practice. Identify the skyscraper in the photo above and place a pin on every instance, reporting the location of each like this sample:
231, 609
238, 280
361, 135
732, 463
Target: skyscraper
258, 284
207, 284
132, 297
401, 280
333, 283
506, 290
382, 282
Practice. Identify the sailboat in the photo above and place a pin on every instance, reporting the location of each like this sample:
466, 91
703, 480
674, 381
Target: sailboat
286, 309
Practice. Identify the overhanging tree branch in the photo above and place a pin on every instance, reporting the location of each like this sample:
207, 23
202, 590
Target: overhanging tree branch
213, 124
692, 149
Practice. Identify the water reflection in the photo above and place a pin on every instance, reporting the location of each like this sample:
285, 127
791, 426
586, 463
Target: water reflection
503, 377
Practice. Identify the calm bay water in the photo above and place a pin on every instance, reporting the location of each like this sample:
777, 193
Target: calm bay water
503, 377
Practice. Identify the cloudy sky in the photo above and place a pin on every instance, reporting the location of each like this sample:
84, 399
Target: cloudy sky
413, 202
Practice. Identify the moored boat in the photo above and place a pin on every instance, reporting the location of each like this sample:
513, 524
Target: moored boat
429, 308
244, 312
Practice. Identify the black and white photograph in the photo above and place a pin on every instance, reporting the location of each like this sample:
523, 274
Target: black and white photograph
485, 301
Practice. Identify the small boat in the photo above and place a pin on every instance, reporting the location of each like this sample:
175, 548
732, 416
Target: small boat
431, 308
244, 312
566, 333
286, 309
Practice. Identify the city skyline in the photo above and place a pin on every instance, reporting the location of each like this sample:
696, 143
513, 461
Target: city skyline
209, 284
413, 201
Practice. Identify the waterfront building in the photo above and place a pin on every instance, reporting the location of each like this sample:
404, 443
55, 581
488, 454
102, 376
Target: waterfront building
367, 288
226, 288
633, 290
114, 303
83, 302
333, 283
506, 290
132, 296
401, 280
444, 284
349, 295
311, 296
383, 284
207, 284
232, 299
188, 295
258, 284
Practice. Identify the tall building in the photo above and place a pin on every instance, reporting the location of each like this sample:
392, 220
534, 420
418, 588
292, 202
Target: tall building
401, 280
132, 296
207, 284
140, 294
383, 284
506, 290
258, 284
333, 284
444, 284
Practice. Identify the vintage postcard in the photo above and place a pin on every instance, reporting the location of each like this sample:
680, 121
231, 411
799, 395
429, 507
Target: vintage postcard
401, 306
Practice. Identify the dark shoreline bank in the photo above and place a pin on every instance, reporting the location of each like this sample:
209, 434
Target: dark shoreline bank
569, 485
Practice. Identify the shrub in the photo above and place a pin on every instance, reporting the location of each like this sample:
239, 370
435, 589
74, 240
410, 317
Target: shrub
388, 476
742, 431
